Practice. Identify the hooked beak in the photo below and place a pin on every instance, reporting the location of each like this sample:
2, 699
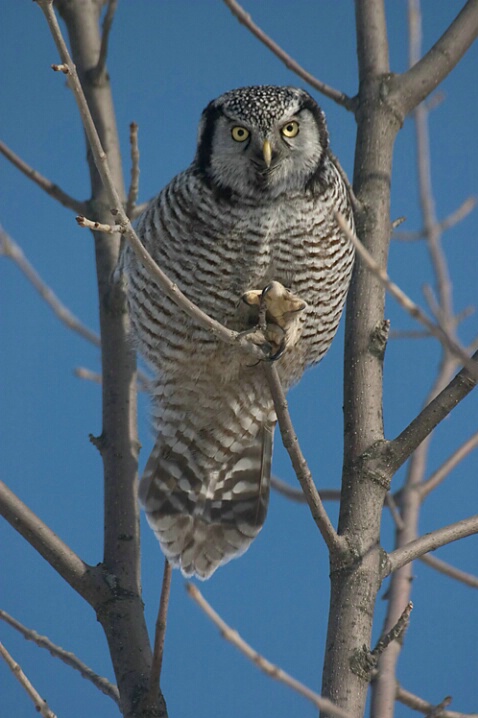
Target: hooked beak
267, 153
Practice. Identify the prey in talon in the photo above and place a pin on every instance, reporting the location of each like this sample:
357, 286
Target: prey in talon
278, 317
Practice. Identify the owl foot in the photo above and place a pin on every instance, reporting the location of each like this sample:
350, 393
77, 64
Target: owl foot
278, 318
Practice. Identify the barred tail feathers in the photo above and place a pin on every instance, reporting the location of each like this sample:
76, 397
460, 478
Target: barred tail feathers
205, 513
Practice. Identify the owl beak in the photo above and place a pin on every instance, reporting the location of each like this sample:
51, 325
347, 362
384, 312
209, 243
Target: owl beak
267, 153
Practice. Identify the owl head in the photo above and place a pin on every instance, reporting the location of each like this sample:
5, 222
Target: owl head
266, 139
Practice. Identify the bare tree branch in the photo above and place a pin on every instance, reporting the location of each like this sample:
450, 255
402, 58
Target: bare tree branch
144, 381
429, 542
459, 214
100, 68
49, 187
298, 495
269, 668
139, 209
440, 474
405, 302
76, 572
335, 543
418, 704
443, 567
134, 184
103, 684
122, 615
10, 249
40, 703
453, 219
433, 413
409, 89
245, 19
395, 633
84, 373
160, 633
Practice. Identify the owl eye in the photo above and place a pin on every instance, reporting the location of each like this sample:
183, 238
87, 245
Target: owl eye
240, 134
291, 129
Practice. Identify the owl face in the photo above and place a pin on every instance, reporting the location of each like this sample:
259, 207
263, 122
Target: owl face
263, 139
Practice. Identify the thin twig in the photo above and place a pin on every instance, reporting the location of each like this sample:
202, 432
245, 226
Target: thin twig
49, 187
160, 632
40, 703
442, 472
273, 671
451, 571
390, 502
144, 382
335, 543
103, 684
408, 334
98, 71
245, 19
83, 373
429, 542
418, 704
134, 184
97, 226
139, 209
68, 564
395, 633
10, 249
435, 410
405, 302
298, 495
459, 214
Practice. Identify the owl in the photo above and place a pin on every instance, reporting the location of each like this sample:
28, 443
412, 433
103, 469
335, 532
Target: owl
247, 232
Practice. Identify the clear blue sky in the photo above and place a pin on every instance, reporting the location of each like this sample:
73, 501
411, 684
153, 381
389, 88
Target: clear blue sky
167, 60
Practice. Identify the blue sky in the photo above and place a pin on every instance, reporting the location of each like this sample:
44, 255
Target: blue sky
167, 60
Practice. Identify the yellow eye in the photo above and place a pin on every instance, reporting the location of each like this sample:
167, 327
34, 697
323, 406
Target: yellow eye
240, 134
291, 129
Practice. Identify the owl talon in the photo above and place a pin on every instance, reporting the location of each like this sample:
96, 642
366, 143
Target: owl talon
278, 312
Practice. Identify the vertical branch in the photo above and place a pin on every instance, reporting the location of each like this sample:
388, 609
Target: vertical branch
363, 488
160, 633
122, 616
384, 688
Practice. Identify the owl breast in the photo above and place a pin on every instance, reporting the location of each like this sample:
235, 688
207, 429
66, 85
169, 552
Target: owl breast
218, 249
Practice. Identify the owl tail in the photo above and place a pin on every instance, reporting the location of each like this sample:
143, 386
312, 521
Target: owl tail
201, 518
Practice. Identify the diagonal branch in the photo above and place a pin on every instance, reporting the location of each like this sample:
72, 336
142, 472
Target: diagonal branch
429, 542
103, 684
66, 562
160, 633
100, 67
298, 495
441, 473
409, 89
49, 187
405, 302
419, 704
40, 703
433, 413
10, 249
245, 19
451, 571
335, 543
324, 704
